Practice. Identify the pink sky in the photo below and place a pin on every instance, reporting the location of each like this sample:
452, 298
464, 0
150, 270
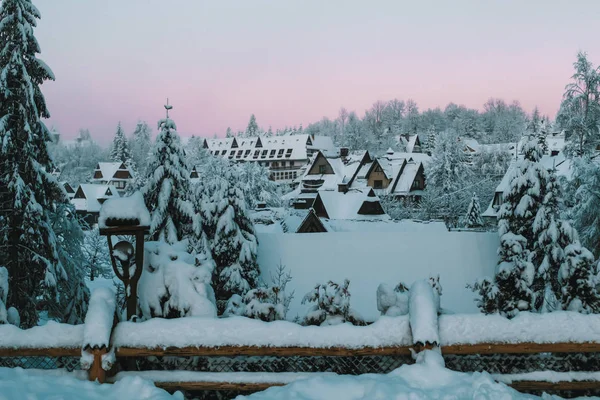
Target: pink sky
292, 62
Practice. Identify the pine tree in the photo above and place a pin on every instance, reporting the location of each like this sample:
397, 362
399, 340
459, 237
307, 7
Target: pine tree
232, 238
229, 133
586, 212
552, 235
119, 151
28, 193
141, 144
512, 290
580, 281
167, 189
473, 218
252, 128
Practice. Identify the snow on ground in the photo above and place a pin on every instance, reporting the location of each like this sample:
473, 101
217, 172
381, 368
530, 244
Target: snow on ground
368, 259
240, 331
428, 379
552, 327
18, 383
50, 335
229, 377
548, 376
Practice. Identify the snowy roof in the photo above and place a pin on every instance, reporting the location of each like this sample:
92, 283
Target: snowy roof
403, 182
340, 205
109, 169
89, 196
369, 258
274, 148
410, 145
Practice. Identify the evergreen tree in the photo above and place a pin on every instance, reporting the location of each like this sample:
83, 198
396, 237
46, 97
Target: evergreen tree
552, 235
167, 188
579, 113
580, 281
473, 218
28, 193
141, 144
229, 133
586, 212
252, 128
232, 238
119, 151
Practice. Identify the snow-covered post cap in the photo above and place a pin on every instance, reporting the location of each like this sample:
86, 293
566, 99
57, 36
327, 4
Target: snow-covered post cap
124, 211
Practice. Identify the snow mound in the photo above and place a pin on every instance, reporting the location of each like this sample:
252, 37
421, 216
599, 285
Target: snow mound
554, 327
47, 336
423, 313
99, 318
427, 379
18, 383
240, 331
130, 208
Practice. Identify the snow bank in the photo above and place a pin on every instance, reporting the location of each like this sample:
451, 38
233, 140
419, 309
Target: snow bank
18, 383
369, 258
555, 327
99, 319
423, 313
548, 376
50, 335
427, 379
132, 208
229, 377
240, 331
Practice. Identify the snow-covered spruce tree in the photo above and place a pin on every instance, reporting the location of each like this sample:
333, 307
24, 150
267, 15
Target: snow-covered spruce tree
119, 150
511, 290
74, 294
167, 188
257, 186
141, 144
580, 281
95, 251
252, 129
473, 217
28, 193
232, 238
579, 113
586, 210
331, 305
552, 235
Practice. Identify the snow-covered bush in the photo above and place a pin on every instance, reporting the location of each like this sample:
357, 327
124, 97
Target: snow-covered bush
172, 286
331, 305
267, 303
580, 281
394, 301
10, 315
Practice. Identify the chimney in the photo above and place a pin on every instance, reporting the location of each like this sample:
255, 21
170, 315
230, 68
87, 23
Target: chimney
342, 187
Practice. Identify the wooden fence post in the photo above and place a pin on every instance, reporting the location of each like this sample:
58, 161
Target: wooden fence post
96, 372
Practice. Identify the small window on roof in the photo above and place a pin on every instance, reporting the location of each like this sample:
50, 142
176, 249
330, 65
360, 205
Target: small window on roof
288, 153
280, 153
246, 153
256, 152
272, 153
223, 152
239, 153
264, 153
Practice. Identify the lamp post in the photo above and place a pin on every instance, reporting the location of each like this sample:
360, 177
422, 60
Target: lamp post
126, 216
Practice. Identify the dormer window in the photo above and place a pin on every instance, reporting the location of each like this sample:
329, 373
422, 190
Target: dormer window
264, 153
256, 153
288, 153
280, 153
272, 153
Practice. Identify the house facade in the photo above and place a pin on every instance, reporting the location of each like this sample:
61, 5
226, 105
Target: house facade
116, 174
286, 156
88, 200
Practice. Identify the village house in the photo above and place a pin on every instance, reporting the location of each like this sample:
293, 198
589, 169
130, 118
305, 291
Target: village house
116, 174
285, 156
88, 200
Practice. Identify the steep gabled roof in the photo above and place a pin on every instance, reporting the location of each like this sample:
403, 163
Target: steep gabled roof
406, 177
89, 196
311, 224
108, 170
332, 204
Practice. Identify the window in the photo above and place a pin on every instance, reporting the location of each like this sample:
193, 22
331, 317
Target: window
416, 185
322, 169
239, 153
266, 164
256, 154
247, 153
291, 163
378, 184
288, 153
275, 164
272, 154
295, 174
223, 152
280, 153
264, 153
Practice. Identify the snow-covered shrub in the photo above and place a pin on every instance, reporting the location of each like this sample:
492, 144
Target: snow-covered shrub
267, 303
580, 281
331, 305
394, 301
473, 217
172, 286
